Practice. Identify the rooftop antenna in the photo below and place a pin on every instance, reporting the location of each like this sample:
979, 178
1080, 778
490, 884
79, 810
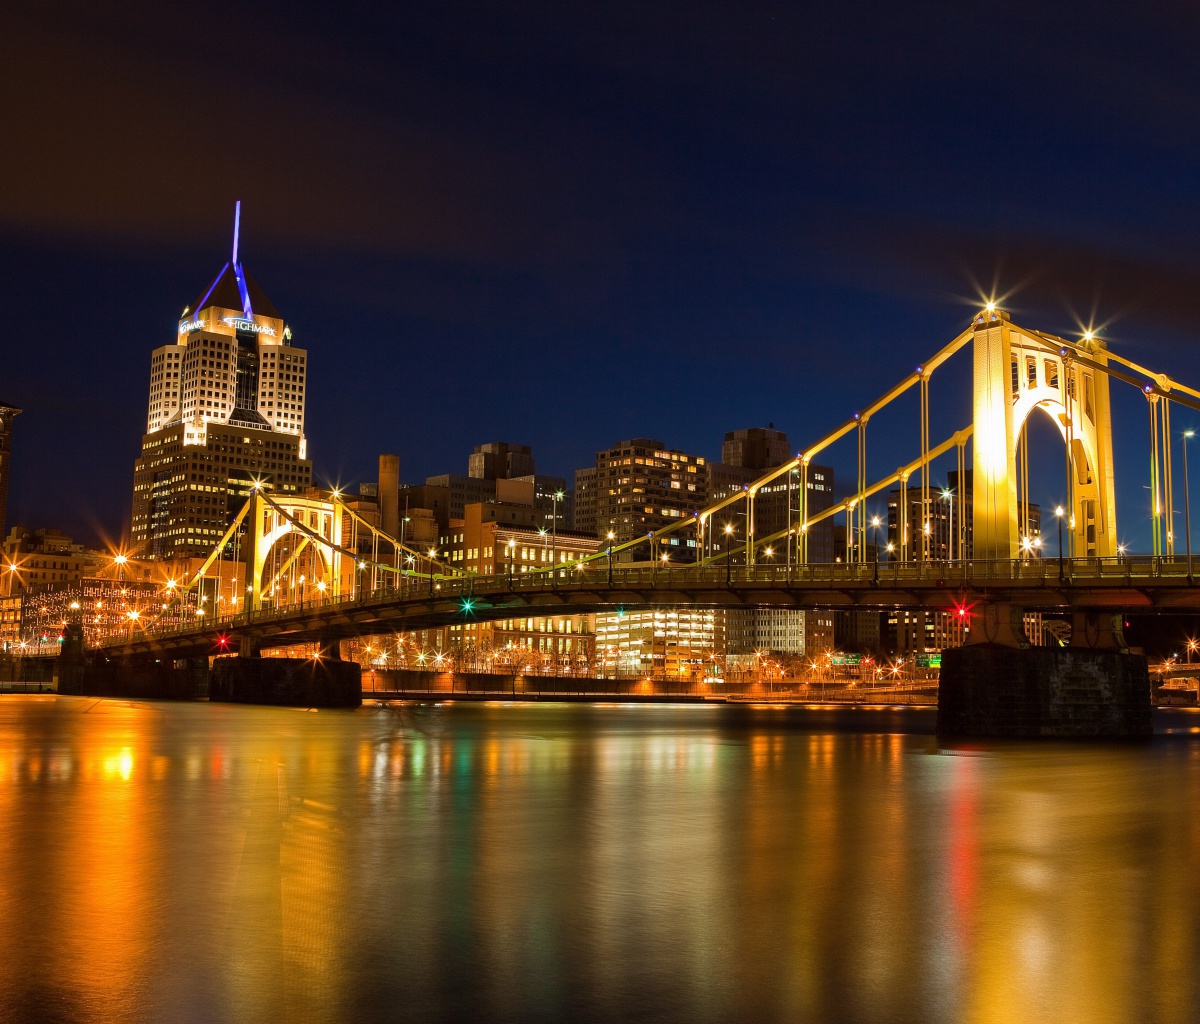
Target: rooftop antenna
237, 223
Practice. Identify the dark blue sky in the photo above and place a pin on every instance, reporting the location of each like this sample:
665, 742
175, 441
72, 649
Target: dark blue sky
563, 225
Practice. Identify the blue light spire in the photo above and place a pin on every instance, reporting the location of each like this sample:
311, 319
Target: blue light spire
237, 267
237, 225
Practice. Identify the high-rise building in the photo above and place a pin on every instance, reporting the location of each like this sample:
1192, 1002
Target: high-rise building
642, 486
7, 412
226, 408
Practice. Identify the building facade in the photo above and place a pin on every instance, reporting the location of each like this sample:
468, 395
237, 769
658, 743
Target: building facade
583, 505
677, 645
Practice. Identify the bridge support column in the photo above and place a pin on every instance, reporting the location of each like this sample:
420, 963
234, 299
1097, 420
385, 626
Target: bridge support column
329, 650
999, 686
1100, 631
998, 625
72, 662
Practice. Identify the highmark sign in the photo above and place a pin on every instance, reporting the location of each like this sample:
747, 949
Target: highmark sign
242, 324
187, 326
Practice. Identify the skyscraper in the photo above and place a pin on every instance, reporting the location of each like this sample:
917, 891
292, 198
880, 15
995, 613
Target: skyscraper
226, 408
642, 486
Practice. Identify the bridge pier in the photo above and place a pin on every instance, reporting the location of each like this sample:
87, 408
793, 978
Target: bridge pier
325, 681
999, 686
145, 678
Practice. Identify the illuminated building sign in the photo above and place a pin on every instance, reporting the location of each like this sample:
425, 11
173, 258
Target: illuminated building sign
241, 324
191, 325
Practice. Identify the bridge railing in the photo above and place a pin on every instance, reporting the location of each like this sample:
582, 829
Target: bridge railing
957, 574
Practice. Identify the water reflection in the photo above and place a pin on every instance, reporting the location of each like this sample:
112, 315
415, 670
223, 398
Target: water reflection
197, 862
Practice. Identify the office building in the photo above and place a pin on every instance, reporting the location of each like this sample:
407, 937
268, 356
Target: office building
226, 408
676, 645
642, 486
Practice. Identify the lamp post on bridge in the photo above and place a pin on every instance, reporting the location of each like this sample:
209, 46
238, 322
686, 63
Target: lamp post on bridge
1187, 510
948, 497
1059, 512
611, 537
558, 496
729, 554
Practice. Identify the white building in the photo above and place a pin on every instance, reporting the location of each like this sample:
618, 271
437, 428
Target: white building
232, 361
226, 411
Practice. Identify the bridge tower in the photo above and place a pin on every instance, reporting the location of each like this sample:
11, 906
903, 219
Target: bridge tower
1016, 372
310, 524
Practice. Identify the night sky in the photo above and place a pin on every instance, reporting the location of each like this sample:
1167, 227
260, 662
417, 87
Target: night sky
567, 224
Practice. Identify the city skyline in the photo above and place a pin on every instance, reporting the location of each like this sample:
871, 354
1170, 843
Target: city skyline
511, 251
558, 512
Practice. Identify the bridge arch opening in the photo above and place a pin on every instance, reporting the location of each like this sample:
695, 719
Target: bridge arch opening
296, 570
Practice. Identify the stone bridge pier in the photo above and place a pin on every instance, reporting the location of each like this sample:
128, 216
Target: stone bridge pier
323, 681
998, 685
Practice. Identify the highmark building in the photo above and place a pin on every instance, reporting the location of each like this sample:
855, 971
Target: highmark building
226, 408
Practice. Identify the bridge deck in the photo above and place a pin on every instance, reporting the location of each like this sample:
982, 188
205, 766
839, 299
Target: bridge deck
1119, 585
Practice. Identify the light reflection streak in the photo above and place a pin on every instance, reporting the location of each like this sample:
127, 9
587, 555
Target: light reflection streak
513, 862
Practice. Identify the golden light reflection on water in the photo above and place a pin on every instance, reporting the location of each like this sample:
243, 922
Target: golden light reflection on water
163, 861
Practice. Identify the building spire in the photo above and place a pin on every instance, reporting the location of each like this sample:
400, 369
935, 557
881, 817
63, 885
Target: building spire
237, 223
243, 290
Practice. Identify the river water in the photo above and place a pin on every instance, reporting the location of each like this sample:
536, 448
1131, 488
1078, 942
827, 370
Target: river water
197, 862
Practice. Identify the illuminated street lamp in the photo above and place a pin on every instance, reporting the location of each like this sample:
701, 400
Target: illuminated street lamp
1187, 510
728, 554
432, 552
511, 545
611, 537
948, 498
558, 496
1059, 512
